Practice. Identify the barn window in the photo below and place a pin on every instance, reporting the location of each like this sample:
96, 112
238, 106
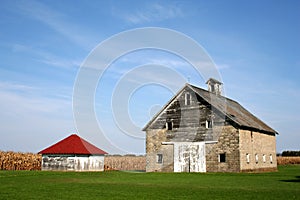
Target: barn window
248, 158
203, 124
212, 88
208, 124
159, 158
187, 99
256, 158
169, 125
222, 157
271, 158
264, 158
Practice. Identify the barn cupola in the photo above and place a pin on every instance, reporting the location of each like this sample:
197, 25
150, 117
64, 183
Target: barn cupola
214, 86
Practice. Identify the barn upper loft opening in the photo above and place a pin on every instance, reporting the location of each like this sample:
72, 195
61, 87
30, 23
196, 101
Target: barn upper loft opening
214, 86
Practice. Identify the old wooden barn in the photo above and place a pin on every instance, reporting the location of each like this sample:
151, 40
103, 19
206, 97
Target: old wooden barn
202, 131
73, 154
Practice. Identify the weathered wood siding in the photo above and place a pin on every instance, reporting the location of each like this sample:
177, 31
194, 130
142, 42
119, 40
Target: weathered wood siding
72, 163
188, 121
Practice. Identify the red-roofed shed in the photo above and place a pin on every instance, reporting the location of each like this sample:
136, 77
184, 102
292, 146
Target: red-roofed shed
73, 153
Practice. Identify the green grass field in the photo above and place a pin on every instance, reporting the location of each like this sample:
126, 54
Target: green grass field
284, 184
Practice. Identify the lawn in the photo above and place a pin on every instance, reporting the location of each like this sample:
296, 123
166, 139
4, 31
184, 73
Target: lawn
284, 184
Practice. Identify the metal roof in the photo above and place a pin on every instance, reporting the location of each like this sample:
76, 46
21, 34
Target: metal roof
233, 110
73, 145
230, 108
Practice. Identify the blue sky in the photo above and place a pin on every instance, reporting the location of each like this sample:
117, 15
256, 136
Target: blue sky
255, 46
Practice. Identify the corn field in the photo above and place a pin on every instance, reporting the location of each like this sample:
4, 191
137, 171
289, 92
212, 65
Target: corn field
126, 162
288, 160
29, 161
19, 161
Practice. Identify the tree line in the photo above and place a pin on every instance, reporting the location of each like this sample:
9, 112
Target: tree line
289, 154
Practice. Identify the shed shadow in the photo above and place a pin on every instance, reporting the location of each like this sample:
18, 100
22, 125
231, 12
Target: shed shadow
296, 180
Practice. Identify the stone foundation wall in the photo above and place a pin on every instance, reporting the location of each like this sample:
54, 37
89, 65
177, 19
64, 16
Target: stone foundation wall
257, 170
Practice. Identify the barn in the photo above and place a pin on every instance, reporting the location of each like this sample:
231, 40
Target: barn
73, 154
200, 130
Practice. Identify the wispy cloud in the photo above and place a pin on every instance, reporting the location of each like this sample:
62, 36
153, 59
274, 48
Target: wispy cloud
20, 99
151, 13
15, 86
55, 20
59, 62
222, 66
45, 57
27, 115
195, 71
159, 60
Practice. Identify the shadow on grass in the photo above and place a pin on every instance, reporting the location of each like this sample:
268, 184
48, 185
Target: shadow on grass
297, 180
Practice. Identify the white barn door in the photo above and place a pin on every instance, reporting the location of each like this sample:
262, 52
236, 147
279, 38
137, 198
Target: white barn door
189, 157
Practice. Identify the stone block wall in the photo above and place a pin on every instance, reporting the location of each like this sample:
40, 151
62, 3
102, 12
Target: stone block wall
154, 146
228, 144
243, 151
261, 151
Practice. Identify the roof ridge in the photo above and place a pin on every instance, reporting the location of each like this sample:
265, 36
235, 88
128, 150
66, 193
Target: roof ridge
227, 98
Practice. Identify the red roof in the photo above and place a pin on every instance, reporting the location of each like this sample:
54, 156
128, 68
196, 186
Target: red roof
73, 145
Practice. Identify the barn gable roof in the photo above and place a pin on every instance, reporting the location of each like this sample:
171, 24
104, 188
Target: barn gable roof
73, 145
230, 108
